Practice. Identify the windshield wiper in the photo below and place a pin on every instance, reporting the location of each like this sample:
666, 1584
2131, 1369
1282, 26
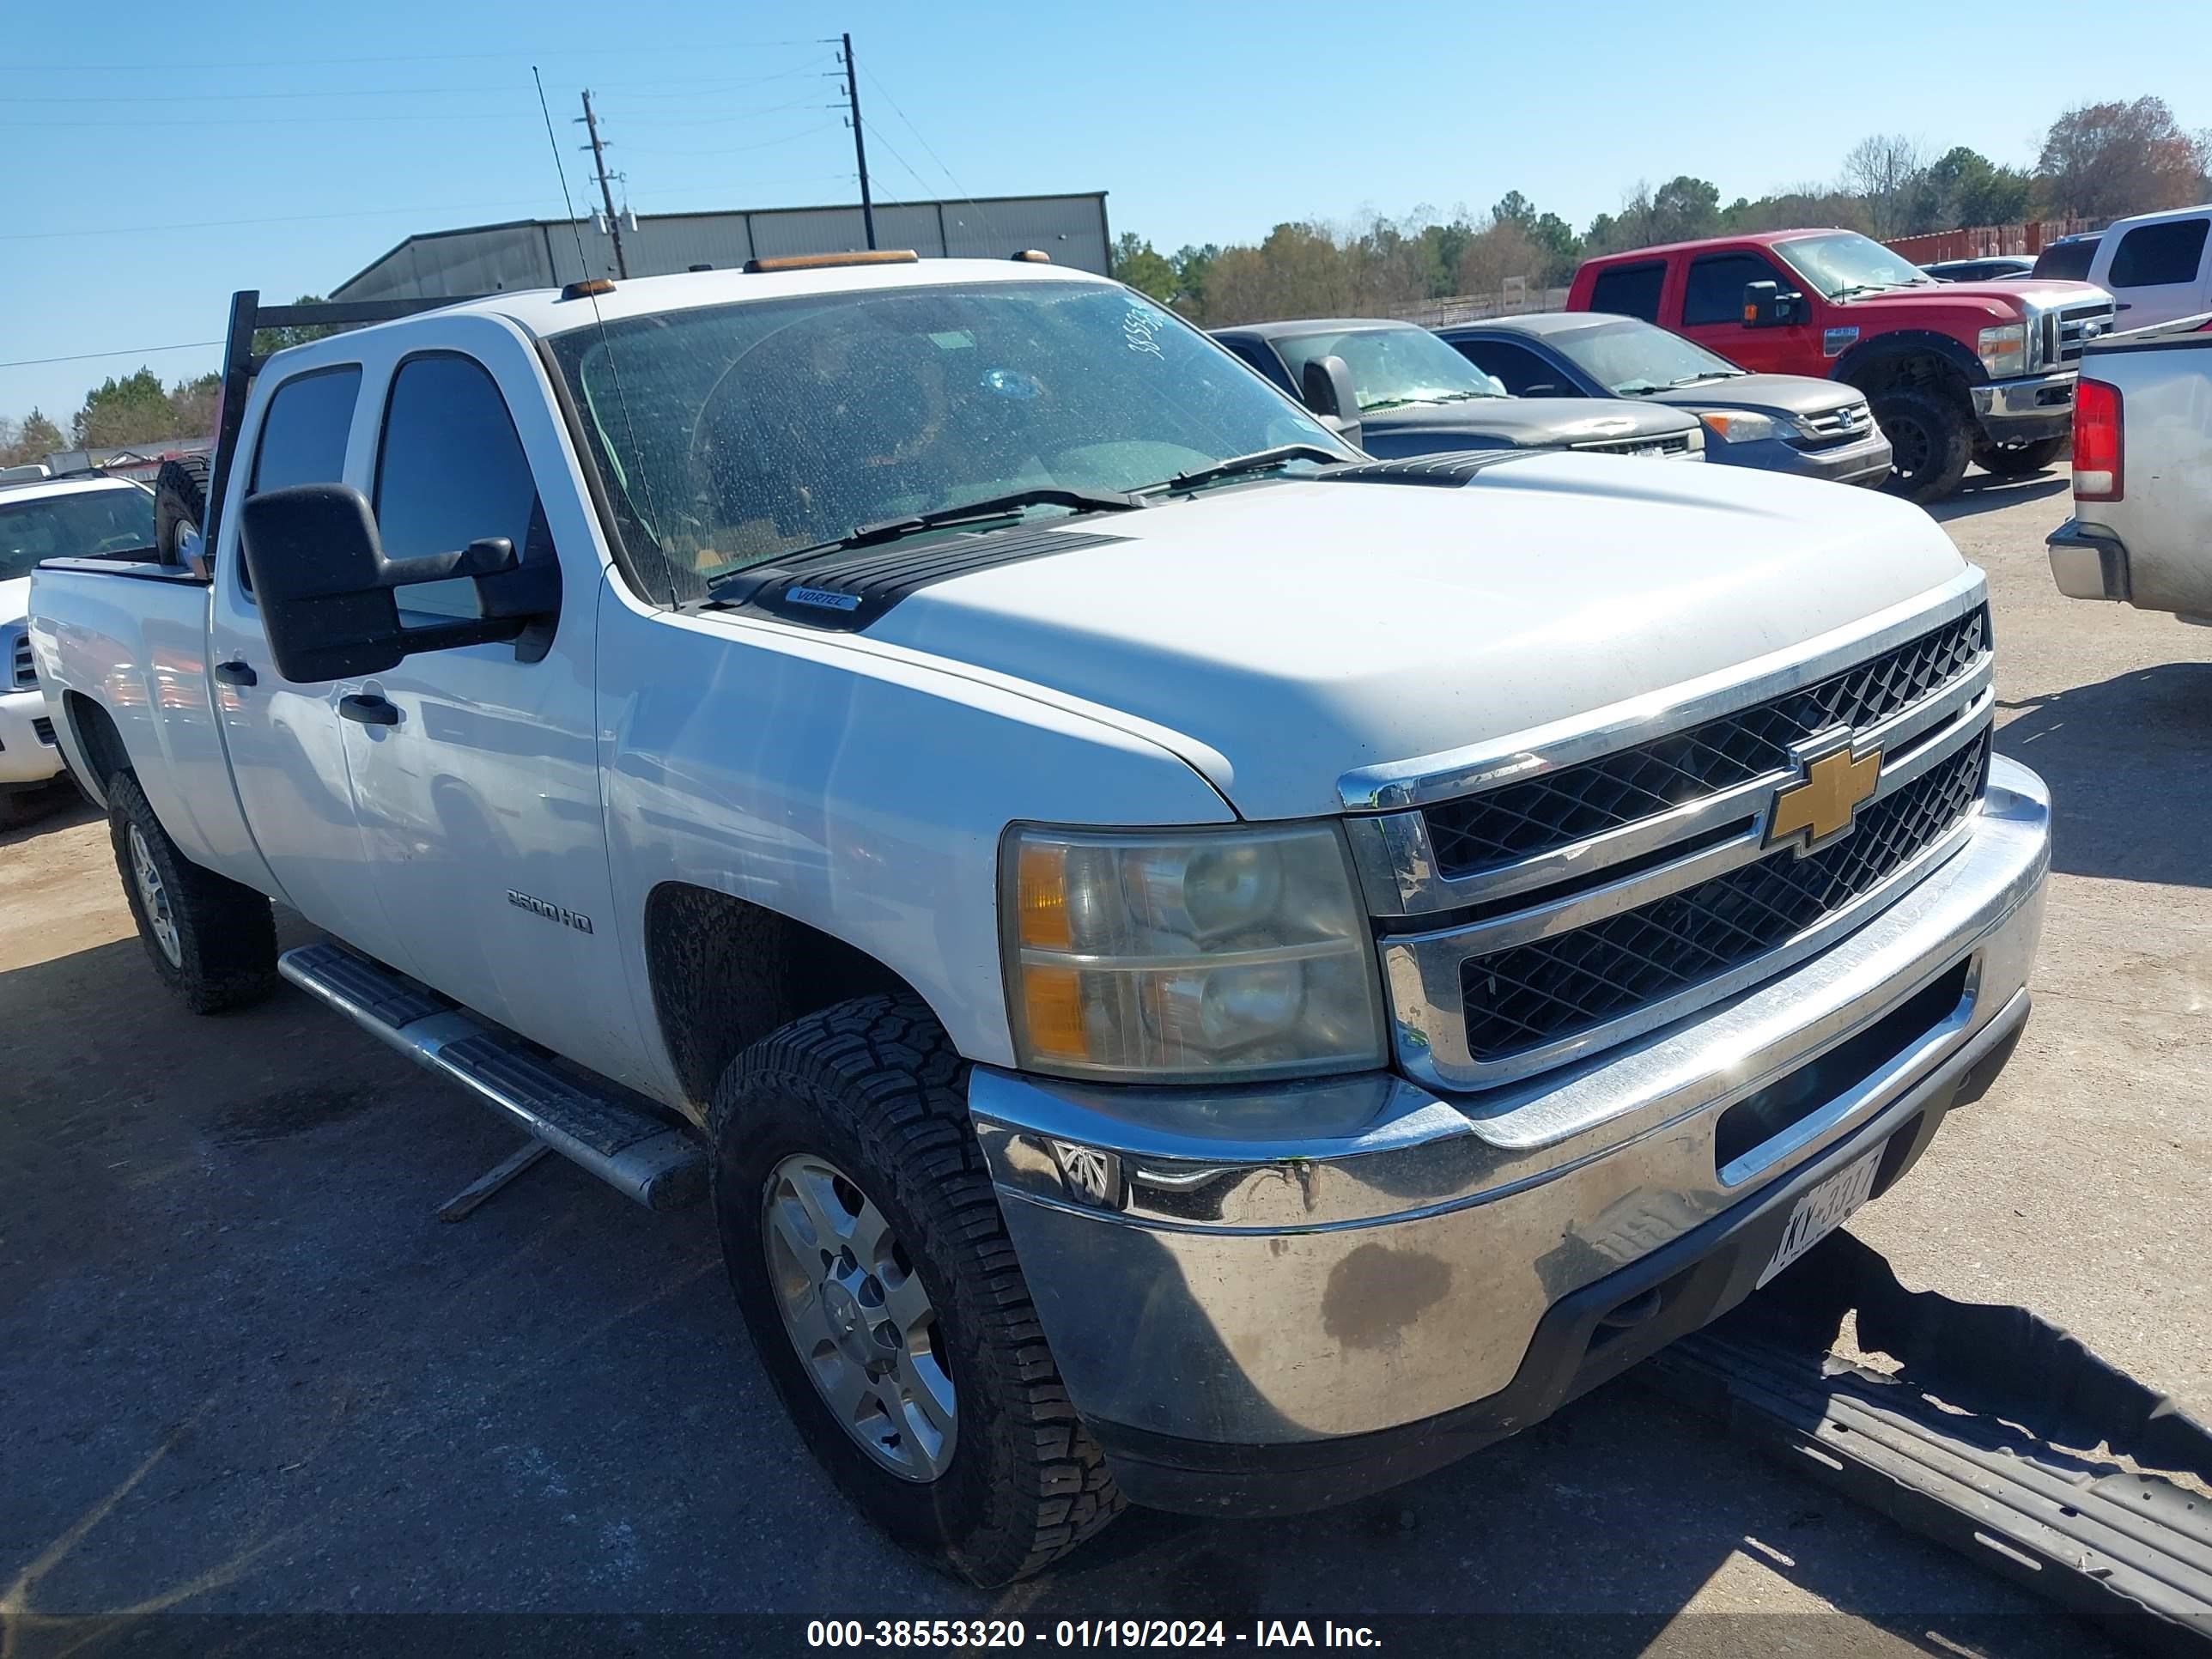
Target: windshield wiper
1260, 461
943, 517
1706, 375
1636, 388
1849, 288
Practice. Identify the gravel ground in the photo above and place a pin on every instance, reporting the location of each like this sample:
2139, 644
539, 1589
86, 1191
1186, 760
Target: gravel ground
245, 1371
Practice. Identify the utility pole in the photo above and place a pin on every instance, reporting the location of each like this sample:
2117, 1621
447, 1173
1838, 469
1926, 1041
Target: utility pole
606, 190
860, 143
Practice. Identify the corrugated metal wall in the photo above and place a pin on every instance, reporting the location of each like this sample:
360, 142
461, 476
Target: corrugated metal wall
543, 253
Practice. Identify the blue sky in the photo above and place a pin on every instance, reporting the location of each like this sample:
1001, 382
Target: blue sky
334, 132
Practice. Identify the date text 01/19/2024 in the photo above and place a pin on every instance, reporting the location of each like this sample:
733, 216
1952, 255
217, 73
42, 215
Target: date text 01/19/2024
1085, 1633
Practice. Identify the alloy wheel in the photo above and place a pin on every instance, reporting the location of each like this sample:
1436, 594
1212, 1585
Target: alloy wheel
865, 1330
155, 897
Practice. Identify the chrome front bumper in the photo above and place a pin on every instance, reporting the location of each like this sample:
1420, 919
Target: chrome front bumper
1210, 1284
2035, 406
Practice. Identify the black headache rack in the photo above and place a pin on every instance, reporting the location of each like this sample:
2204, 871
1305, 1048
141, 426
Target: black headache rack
248, 316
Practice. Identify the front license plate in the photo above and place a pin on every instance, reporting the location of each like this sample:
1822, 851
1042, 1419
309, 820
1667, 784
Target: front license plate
1823, 1210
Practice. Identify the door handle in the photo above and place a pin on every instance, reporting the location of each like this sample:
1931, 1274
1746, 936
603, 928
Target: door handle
234, 672
2124, 305
368, 709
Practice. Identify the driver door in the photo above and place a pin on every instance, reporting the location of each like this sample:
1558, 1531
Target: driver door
1712, 313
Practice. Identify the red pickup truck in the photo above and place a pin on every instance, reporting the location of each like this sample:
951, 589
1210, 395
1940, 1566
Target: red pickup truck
1955, 372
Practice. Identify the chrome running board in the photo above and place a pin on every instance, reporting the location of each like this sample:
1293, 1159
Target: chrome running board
616, 1137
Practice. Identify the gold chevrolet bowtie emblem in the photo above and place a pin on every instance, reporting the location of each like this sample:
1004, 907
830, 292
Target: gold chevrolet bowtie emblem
1823, 805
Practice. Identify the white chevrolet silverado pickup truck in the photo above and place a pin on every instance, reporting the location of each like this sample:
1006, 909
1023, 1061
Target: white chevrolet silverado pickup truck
1198, 968
2142, 529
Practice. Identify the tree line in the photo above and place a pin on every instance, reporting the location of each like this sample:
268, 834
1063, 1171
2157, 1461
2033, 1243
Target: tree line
2099, 162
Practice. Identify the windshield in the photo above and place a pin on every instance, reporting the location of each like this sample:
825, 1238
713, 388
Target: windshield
1843, 262
735, 433
80, 525
1637, 357
1392, 366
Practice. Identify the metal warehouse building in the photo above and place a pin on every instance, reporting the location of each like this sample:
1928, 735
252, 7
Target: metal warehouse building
543, 252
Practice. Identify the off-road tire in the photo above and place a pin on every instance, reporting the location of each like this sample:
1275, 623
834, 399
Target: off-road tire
2018, 460
180, 504
1931, 441
226, 934
875, 1086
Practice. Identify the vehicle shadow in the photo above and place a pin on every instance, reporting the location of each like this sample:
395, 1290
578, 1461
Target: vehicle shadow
40, 813
1985, 492
2128, 761
250, 1373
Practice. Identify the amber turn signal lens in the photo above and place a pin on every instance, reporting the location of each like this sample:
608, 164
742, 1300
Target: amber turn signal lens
1052, 1000
1041, 897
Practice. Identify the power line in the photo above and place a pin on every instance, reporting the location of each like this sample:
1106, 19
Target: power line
959, 189
417, 119
269, 219
133, 352
739, 149
718, 83
689, 49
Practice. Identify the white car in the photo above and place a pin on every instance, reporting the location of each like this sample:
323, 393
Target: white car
1206, 969
47, 518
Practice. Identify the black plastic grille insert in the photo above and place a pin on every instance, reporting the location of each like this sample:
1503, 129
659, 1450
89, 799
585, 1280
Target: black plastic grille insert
1520, 820
1529, 995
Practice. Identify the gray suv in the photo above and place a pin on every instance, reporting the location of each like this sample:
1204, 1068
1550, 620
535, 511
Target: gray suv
1777, 423
1415, 396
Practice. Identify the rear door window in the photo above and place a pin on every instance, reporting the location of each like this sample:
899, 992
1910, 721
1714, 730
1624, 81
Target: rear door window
1630, 291
452, 471
1714, 292
2157, 256
1520, 370
303, 435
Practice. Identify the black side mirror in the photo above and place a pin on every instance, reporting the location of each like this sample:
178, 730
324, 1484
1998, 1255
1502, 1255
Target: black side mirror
1766, 306
324, 587
1326, 385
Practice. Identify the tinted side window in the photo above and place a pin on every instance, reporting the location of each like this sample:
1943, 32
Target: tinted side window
1714, 292
1514, 366
451, 471
2150, 255
303, 436
1630, 291
1259, 358
2067, 261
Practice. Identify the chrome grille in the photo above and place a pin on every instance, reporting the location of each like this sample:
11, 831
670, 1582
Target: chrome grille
1838, 425
2077, 326
1550, 989
1663, 448
24, 674
1518, 820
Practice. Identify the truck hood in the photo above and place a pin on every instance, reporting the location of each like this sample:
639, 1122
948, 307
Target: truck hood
2001, 299
1771, 394
1283, 633
15, 600
1513, 423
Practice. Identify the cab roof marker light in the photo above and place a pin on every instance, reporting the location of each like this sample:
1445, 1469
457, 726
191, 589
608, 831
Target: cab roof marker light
1032, 256
886, 256
587, 287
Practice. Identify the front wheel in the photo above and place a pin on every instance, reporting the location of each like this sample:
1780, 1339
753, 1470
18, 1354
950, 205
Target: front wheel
2018, 460
873, 1270
1930, 440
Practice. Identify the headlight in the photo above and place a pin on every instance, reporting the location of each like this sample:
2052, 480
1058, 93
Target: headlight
1736, 426
1239, 953
2004, 351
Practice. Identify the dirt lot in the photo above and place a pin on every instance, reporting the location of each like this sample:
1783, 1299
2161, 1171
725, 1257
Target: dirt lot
245, 1370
